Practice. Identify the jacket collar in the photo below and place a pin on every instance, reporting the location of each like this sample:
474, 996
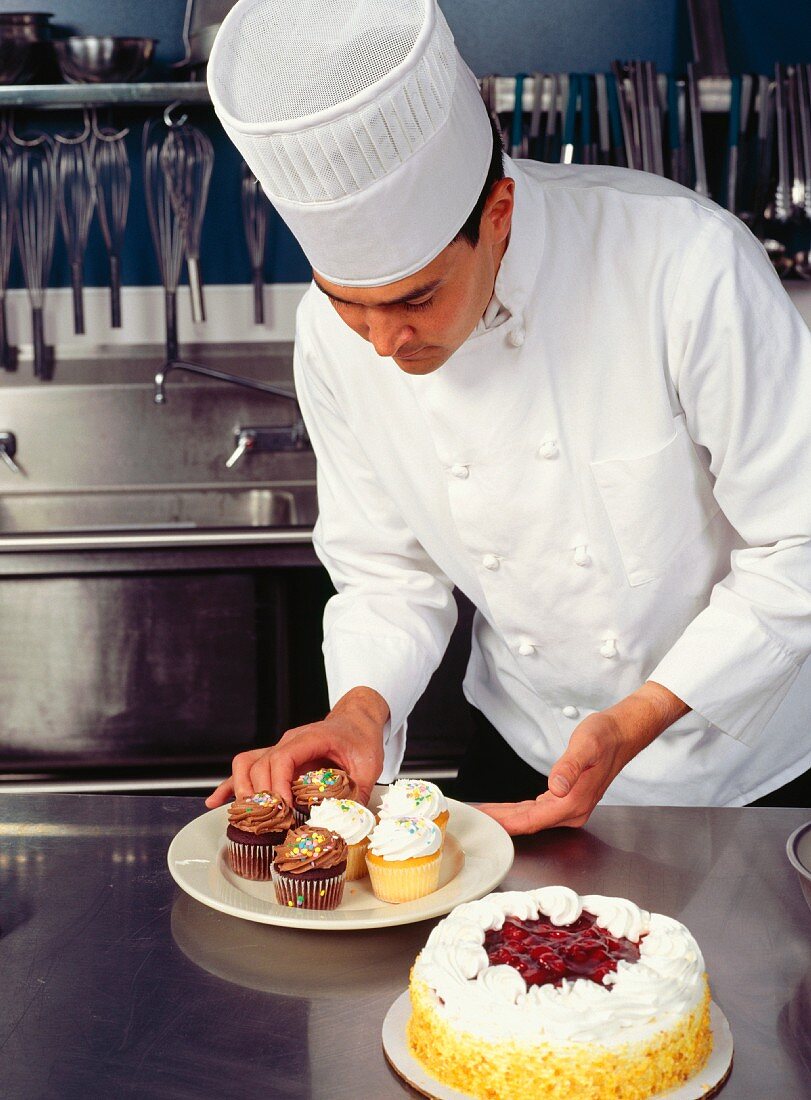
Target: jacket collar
521, 261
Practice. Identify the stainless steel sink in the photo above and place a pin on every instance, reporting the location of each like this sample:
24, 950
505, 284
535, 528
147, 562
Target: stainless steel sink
142, 510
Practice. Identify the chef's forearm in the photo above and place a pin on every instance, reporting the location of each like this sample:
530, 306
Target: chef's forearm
364, 706
646, 713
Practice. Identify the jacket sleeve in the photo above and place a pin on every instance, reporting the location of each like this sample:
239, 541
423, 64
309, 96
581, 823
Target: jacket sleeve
740, 359
389, 624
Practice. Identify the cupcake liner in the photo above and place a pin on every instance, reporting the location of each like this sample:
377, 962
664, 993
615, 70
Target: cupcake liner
356, 860
300, 817
250, 860
400, 882
301, 893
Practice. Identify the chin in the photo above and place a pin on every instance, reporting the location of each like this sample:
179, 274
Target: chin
426, 365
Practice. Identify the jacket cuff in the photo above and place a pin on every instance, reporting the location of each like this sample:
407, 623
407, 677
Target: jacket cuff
730, 671
394, 667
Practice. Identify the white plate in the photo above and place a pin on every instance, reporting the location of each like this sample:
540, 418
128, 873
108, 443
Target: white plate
706, 1082
478, 854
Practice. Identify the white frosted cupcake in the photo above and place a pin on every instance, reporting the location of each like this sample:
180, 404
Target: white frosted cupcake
353, 822
404, 857
415, 798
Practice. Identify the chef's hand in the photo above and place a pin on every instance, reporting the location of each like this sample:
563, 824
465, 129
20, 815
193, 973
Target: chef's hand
350, 737
599, 748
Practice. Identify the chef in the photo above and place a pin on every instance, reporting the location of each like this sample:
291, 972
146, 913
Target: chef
579, 394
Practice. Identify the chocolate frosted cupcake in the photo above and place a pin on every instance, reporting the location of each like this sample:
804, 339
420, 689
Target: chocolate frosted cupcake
255, 825
313, 787
309, 869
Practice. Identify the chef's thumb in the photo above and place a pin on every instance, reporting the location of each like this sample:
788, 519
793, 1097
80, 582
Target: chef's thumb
565, 773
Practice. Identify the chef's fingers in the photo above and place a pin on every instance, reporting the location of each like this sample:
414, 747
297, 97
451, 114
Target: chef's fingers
582, 752
260, 773
547, 811
221, 794
241, 771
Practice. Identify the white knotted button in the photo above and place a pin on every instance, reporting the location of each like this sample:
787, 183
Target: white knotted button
460, 471
517, 336
582, 556
570, 712
490, 561
609, 648
526, 649
548, 449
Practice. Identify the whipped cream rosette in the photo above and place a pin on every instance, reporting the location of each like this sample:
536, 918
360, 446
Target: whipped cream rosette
354, 823
519, 991
403, 858
415, 798
255, 825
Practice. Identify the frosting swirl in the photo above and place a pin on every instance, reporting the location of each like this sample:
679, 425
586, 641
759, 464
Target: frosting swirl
314, 786
309, 849
349, 819
405, 838
260, 813
413, 798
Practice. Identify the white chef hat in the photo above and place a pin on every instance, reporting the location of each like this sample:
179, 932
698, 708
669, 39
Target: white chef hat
361, 121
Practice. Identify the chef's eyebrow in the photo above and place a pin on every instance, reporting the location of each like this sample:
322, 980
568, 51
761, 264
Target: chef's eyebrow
418, 292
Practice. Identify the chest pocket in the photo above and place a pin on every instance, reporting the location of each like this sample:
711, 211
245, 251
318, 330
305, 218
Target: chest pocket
657, 503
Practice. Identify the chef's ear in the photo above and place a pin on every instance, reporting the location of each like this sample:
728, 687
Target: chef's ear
498, 211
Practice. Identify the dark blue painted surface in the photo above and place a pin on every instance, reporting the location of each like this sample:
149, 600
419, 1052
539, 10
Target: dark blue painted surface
513, 35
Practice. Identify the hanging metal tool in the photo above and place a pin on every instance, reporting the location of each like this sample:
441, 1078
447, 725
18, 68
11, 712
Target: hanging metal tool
35, 184
168, 236
570, 121
255, 208
697, 133
112, 175
8, 206
187, 159
76, 200
707, 33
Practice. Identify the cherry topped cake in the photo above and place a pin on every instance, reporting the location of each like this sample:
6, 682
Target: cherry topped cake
547, 993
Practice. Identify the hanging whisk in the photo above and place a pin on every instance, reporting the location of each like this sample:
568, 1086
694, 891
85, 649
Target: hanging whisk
112, 175
76, 202
168, 237
187, 158
35, 182
8, 206
255, 224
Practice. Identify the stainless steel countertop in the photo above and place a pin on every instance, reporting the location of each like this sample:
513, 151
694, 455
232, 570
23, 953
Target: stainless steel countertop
114, 983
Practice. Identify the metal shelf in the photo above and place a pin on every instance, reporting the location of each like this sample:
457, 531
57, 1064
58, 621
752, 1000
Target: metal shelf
67, 96
714, 93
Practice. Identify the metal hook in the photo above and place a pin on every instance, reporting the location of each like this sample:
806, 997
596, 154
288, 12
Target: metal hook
167, 115
106, 133
28, 143
77, 139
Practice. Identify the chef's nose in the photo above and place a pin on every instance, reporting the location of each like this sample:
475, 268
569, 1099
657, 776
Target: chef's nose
387, 334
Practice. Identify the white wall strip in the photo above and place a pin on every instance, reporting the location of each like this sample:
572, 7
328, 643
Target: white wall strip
229, 311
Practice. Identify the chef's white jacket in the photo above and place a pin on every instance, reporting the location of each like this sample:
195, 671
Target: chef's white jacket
618, 477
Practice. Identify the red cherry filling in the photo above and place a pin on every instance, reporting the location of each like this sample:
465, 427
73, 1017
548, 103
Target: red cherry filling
544, 953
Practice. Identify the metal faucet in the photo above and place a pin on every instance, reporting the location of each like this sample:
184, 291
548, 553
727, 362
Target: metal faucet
291, 437
220, 375
8, 449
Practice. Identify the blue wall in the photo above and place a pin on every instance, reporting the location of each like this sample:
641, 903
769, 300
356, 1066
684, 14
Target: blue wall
513, 35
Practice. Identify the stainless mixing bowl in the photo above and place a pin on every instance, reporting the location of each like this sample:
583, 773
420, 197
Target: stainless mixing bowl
798, 848
94, 59
24, 45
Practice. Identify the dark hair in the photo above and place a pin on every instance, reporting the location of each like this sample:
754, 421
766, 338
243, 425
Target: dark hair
470, 230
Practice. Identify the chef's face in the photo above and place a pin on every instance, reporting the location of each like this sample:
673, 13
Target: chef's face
422, 320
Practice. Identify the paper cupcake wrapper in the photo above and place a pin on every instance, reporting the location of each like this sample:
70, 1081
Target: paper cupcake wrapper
399, 882
300, 817
295, 893
356, 860
252, 861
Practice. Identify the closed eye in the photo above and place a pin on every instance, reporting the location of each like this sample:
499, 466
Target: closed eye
419, 305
